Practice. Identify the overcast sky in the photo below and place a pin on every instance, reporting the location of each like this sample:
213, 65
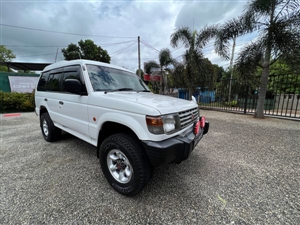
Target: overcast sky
114, 25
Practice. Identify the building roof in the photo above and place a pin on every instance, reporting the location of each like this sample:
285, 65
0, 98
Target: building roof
25, 65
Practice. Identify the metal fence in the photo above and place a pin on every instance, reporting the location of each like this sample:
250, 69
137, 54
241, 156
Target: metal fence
282, 97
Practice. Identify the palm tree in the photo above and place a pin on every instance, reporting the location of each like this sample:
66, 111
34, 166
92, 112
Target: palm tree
278, 22
149, 66
165, 59
230, 30
192, 57
278, 25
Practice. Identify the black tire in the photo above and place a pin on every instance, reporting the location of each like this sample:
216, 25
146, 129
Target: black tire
136, 155
53, 132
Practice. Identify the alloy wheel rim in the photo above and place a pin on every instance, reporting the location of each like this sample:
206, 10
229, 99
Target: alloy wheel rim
45, 128
119, 166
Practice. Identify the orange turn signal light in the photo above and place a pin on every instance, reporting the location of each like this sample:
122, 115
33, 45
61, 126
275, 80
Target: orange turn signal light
154, 121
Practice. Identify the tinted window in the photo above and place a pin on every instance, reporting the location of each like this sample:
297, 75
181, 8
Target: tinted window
42, 82
70, 75
53, 82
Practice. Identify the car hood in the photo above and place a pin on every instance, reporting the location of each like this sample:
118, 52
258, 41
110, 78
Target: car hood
164, 104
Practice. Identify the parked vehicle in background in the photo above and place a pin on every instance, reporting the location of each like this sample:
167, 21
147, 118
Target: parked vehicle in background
112, 109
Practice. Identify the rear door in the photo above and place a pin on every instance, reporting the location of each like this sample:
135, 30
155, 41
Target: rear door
73, 107
52, 97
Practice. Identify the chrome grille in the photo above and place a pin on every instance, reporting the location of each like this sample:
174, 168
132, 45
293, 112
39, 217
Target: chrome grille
188, 117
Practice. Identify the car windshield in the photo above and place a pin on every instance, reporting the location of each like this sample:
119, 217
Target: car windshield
109, 79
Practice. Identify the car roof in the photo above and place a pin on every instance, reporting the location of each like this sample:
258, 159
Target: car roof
81, 62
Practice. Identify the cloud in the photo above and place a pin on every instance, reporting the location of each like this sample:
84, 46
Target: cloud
153, 21
198, 14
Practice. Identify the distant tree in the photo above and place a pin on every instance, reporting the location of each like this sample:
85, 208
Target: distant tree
277, 22
27, 71
150, 65
283, 79
178, 73
195, 65
165, 59
142, 73
6, 55
4, 69
218, 71
86, 50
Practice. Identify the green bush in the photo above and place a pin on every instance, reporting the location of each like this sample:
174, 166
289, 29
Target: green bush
231, 104
16, 102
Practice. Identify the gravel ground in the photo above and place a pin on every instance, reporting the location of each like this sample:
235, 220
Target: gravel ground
244, 171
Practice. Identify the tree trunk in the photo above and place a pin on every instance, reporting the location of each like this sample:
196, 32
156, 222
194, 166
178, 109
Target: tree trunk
166, 84
161, 91
266, 69
263, 85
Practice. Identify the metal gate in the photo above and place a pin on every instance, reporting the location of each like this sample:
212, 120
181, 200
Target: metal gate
282, 97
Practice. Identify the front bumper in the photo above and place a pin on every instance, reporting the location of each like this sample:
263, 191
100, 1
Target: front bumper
173, 150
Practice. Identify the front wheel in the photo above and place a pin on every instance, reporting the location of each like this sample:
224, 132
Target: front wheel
125, 164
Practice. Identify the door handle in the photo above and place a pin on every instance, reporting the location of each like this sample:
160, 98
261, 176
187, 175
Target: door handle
46, 99
61, 102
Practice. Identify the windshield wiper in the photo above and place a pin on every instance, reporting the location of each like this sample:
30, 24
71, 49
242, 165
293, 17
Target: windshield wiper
123, 89
143, 91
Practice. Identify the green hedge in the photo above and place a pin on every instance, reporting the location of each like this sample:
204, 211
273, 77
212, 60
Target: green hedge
16, 102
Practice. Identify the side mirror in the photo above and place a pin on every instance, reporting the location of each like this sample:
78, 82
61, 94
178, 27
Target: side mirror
73, 86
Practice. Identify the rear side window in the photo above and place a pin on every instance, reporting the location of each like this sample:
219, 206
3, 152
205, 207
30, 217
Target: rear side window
43, 82
71, 73
54, 82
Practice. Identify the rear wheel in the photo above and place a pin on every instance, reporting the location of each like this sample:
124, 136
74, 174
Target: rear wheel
49, 131
125, 164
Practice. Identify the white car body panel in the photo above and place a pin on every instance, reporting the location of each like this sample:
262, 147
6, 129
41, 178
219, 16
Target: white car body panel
84, 116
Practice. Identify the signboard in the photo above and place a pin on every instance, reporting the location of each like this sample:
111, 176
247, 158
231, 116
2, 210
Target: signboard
22, 84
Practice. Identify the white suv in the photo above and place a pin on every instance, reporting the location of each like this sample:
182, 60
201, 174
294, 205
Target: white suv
112, 109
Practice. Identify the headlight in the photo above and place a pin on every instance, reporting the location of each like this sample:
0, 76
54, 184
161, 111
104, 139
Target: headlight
166, 124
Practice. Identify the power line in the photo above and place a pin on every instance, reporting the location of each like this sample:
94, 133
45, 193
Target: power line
117, 43
149, 46
123, 49
55, 46
35, 46
59, 32
35, 55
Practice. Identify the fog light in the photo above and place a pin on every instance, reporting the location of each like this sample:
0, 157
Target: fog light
196, 127
202, 121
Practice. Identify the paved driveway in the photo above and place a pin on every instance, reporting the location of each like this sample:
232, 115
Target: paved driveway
245, 171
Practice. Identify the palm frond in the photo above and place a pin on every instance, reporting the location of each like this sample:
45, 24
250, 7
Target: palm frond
287, 46
255, 12
261, 7
206, 34
291, 19
183, 35
285, 7
165, 57
249, 59
150, 65
222, 47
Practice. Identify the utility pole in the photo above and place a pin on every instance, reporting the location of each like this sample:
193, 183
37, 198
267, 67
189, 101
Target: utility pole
139, 57
56, 54
231, 68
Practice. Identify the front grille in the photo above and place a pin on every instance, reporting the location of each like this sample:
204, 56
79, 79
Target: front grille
188, 117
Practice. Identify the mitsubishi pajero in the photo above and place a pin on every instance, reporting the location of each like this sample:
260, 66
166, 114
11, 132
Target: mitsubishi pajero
111, 108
